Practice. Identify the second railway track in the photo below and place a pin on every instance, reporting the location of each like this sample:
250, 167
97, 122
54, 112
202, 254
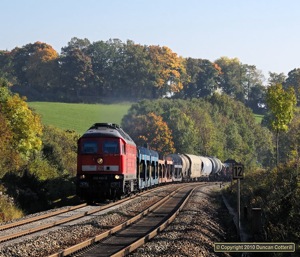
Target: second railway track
133, 233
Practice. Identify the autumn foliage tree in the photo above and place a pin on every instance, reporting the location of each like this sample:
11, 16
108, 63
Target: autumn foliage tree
31, 64
7, 155
151, 129
113, 70
168, 69
41, 65
24, 125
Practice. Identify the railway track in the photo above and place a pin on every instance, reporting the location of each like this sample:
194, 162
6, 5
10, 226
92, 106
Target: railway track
5, 234
126, 237
46, 221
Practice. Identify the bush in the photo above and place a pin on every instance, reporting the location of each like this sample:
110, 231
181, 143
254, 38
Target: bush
277, 193
8, 210
59, 148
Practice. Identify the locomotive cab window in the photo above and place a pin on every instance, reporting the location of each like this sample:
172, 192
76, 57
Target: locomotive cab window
89, 147
111, 147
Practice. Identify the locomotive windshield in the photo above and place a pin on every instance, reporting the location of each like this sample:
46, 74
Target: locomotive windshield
90, 147
102, 146
111, 147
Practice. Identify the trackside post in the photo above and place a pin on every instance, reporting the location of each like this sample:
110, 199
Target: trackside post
238, 174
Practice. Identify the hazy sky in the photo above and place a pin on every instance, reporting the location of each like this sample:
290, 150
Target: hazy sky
264, 33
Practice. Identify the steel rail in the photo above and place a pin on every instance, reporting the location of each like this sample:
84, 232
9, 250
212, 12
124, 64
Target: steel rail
56, 223
130, 248
40, 217
93, 240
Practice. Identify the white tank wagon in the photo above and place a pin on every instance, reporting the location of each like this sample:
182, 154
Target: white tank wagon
194, 172
217, 167
207, 166
185, 166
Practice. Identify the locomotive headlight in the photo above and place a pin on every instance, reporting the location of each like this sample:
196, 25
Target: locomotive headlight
117, 177
99, 160
82, 177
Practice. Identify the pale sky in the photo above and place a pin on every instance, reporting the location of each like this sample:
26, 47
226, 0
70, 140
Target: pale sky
264, 33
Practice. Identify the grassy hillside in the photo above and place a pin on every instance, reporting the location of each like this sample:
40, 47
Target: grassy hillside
79, 117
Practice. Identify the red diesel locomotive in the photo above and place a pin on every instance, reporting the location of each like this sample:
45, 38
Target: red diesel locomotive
106, 163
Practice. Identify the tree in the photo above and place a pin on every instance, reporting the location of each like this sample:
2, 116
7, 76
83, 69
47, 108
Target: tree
168, 71
237, 79
59, 148
27, 59
251, 78
6, 66
231, 77
33, 69
281, 104
256, 98
293, 80
185, 136
76, 43
150, 129
8, 157
136, 72
25, 125
99, 53
290, 142
108, 66
237, 132
203, 76
42, 68
207, 134
20, 133
76, 69
276, 78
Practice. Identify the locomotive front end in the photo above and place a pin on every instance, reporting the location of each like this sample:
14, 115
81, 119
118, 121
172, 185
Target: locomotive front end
106, 163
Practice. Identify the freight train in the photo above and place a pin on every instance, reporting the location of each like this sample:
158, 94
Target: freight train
110, 165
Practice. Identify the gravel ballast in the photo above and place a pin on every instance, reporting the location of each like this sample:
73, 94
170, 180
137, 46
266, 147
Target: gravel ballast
192, 233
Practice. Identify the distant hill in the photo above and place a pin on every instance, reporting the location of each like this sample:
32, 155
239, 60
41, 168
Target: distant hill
79, 117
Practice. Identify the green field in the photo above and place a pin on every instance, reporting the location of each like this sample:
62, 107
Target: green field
258, 118
79, 117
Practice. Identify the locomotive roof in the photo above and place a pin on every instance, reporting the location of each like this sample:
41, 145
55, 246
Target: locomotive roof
107, 130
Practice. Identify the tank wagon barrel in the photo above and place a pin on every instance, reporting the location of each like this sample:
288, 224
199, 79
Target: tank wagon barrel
217, 167
206, 166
